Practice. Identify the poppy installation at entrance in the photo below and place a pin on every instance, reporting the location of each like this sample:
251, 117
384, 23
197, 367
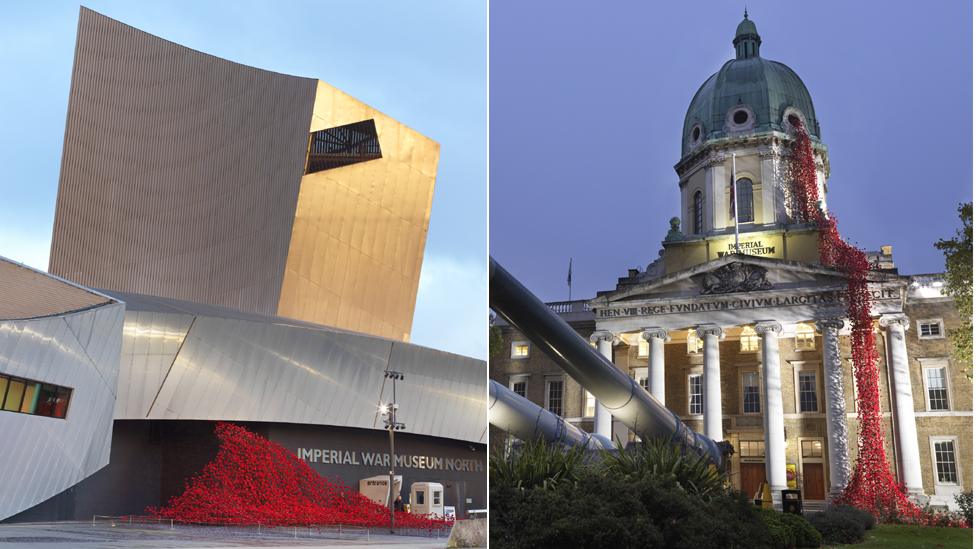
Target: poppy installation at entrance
255, 481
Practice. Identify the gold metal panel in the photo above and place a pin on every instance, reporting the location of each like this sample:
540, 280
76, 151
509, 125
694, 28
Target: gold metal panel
357, 243
793, 245
26, 293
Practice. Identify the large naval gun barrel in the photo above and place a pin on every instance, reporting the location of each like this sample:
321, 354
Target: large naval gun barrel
528, 421
622, 396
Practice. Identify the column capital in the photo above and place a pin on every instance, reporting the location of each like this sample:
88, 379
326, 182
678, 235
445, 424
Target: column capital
655, 332
896, 319
710, 329
764, 327
834, 323
603, 335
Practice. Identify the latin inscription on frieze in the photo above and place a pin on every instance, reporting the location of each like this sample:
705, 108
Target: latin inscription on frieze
714, 305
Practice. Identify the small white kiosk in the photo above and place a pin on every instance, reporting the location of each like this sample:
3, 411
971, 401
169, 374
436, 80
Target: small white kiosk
378, 488
427, 498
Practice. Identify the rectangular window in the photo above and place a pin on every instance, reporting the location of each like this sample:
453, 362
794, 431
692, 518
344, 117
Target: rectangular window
420, 497
930, 329
519, 388
33, 397
749, 343
554, 396
695, 344
520, 349
752, 449
750, 393
806, 339
643, 348
695, 394
808, 391
811, 448
937, 388
437, 497
945, 462
590, 409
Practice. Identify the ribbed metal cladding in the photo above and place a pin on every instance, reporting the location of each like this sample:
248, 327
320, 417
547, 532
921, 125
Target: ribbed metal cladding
186, 361
43, 456
180, 172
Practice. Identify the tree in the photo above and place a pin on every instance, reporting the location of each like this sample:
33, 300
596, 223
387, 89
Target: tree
958, 252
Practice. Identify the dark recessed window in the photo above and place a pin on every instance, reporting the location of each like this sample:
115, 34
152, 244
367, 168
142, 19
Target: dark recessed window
698, 212
743, 188
33, 397
342, 145
695, 133
740, 117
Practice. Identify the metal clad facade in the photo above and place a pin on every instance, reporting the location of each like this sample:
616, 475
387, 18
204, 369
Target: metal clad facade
358, 240
180, 171
199, 364
43, 456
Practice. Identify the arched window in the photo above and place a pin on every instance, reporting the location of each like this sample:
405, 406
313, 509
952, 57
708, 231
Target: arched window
743, 191
699, 214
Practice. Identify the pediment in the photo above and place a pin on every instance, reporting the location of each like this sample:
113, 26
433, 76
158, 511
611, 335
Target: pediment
731, 275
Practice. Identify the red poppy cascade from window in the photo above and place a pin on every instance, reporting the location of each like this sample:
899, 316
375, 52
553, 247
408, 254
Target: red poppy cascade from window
872, 486
255, 481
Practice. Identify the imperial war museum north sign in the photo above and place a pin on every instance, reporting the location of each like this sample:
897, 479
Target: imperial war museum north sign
382, 459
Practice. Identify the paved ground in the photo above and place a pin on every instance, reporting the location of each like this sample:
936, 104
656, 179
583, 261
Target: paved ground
65, 535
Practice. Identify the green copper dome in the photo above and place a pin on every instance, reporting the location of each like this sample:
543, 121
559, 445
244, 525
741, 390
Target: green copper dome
748, 95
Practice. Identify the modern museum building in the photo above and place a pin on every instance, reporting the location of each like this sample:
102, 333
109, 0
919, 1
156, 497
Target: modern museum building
230, 244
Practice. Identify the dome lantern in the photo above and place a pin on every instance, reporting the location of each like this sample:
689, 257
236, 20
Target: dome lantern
746, 39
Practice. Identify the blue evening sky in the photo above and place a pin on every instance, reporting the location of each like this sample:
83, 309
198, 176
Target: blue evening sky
422, 62
588, 100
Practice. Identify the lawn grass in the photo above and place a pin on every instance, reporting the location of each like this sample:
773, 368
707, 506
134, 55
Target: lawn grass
893, 536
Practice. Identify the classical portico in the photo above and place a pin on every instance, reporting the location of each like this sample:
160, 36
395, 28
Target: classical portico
767, 332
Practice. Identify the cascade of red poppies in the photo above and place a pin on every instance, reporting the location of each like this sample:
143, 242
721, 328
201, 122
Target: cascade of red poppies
872, 486
255, 481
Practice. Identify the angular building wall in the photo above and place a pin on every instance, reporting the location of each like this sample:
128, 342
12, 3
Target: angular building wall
73, 347
358, 240
188, 176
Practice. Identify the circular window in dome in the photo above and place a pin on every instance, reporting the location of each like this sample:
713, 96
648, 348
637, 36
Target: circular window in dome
740, 117
696, 133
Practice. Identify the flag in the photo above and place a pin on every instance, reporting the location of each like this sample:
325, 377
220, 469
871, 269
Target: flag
569, 277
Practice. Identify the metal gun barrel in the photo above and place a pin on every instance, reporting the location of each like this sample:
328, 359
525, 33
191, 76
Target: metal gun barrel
623, 397
528, 421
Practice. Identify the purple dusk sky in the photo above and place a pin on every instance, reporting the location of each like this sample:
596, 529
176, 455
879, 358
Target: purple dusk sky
587, 102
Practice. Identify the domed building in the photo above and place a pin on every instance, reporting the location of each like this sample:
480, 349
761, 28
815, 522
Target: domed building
741, 332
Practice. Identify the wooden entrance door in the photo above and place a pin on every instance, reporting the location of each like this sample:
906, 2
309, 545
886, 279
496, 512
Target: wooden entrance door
751, 476
813, 481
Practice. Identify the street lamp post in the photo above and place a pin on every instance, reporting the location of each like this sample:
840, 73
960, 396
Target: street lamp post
391, 426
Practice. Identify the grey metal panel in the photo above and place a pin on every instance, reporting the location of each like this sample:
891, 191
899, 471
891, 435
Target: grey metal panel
43, 456
180, 171
253, 368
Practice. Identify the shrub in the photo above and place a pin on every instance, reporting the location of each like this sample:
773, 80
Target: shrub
804, 534
612, 511
537, 464
663, 460
778, 528
864, 517
965, 502
838, 527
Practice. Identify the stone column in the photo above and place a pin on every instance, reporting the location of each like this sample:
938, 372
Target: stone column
773, 410
838, 454
909, 463
602, 419
712, 386
656, 338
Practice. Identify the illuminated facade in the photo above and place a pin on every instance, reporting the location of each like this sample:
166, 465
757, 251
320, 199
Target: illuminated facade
754, 348
195, 178
260, 238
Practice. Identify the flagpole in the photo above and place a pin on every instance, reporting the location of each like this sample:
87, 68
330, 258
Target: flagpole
735, 203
